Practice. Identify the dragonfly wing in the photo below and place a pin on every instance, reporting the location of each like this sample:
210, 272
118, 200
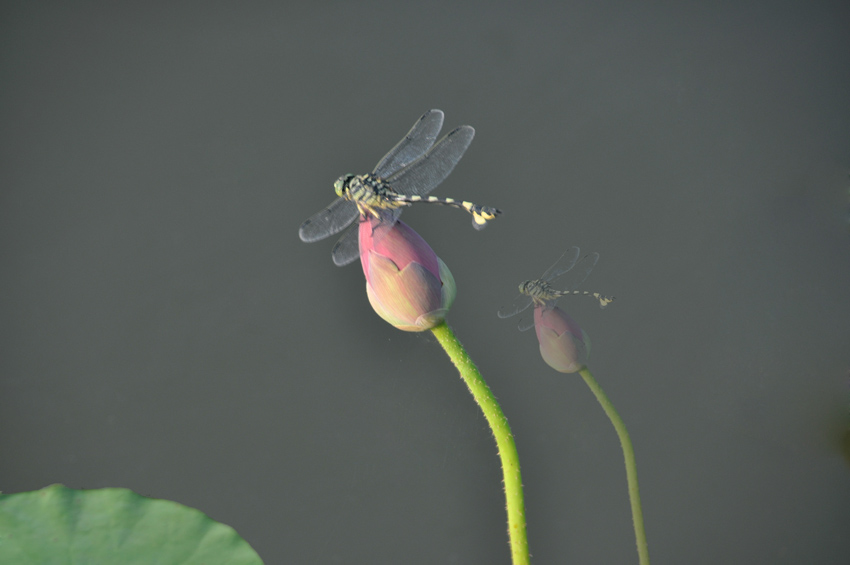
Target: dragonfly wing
564, 263
329, 221
347, 248
517, 305
526, 324
418, 140
581, 271
424, 174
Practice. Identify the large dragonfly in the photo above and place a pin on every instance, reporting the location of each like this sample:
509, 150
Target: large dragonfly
541, 293
405, 175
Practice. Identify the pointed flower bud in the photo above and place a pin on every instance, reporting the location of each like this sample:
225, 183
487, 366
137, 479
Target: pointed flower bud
563, 344
407, 284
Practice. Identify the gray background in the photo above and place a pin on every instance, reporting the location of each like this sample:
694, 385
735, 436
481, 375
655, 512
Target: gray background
163, 328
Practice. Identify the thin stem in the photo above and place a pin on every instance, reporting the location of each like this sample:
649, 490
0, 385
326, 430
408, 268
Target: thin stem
631, 466
504, 440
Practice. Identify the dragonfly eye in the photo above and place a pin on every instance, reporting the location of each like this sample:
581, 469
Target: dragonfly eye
341, 184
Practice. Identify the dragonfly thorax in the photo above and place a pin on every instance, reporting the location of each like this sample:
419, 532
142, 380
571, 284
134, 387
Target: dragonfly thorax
369, 192
538, 290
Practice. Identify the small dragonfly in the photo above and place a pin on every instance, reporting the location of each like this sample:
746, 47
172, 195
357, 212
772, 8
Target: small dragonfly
540, 292
405, 175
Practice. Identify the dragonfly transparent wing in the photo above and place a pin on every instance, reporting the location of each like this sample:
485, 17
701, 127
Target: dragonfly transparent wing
342, 212
526, 323
412, 146
329, 221
432, 168
347, 249
517, 305
564, 263
578, 273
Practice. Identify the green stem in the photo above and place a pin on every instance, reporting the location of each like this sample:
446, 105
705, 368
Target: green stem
504, 440
631, 466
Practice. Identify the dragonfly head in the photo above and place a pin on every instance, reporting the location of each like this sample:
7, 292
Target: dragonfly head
342, 183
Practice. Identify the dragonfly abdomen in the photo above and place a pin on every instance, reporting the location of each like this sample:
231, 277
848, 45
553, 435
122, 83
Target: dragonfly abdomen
603, 300
480, 214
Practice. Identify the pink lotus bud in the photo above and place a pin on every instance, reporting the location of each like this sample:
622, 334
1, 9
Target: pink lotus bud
407, 284
563, 344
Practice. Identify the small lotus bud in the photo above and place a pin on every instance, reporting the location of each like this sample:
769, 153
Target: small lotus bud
563, 344
407, 284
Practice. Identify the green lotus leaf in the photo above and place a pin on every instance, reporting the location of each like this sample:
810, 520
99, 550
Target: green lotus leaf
61, 526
